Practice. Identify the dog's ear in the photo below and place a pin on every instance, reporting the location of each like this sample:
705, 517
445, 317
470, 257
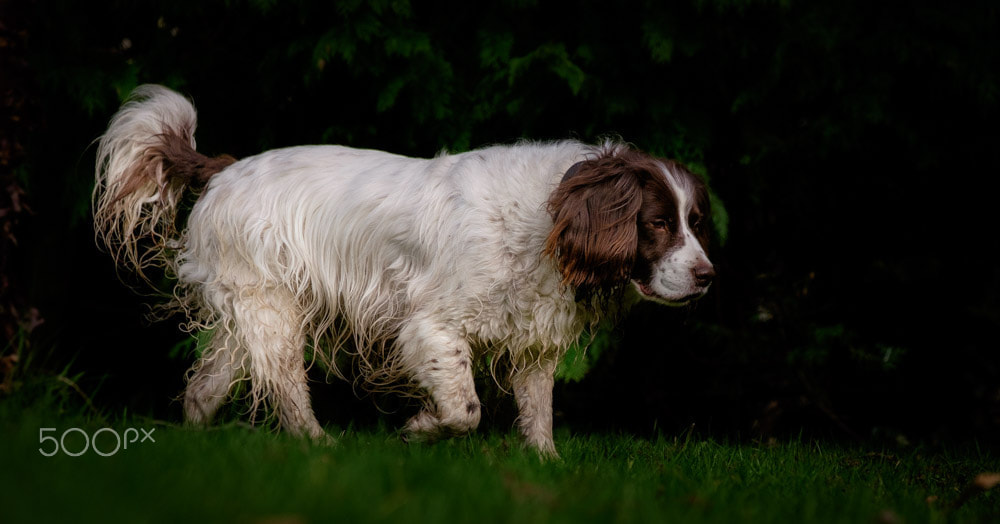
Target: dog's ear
594, 210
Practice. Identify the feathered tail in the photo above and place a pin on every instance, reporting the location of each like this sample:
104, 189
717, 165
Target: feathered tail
145, 161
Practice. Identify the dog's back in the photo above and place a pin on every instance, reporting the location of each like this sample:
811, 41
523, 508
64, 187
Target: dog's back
370, 236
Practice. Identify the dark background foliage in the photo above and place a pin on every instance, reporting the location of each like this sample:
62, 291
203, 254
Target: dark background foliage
851, 146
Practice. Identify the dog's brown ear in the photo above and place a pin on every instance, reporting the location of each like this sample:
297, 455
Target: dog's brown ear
594, 211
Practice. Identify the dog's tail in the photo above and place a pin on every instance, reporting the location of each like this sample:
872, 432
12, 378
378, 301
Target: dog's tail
145, 161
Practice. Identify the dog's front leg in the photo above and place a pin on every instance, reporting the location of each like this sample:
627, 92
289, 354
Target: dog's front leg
440, 362
533, 393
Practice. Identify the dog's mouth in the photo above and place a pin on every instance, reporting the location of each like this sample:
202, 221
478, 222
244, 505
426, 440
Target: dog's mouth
649, 293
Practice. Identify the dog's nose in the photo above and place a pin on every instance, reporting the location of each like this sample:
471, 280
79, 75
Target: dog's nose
703, 274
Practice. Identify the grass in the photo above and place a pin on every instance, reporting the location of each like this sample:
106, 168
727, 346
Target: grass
235, 473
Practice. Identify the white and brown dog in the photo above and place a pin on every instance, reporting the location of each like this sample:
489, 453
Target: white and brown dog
424, 265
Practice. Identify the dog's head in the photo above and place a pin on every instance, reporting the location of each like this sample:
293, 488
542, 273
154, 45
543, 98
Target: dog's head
624, 216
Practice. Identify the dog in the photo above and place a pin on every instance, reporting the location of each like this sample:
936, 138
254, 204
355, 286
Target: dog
423, 267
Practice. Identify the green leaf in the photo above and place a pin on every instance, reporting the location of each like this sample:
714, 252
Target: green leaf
556, 59
193, 345
408, 44
583, 354
387, 97
661, 47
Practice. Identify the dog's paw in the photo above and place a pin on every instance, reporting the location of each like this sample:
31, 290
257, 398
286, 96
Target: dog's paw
422, 427
323, 439
544, 447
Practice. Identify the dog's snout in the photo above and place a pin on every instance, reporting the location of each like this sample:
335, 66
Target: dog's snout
704, 273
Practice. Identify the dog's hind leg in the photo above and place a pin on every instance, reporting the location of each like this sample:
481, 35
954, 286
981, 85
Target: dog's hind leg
441, 364
269, 325
212, 378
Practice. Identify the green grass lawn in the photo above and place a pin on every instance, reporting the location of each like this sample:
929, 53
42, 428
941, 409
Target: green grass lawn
235, 473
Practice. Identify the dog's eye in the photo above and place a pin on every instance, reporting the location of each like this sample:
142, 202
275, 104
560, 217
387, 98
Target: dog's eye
664, 224
695, 221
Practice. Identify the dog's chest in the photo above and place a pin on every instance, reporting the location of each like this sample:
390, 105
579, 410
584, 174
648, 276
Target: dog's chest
532, 310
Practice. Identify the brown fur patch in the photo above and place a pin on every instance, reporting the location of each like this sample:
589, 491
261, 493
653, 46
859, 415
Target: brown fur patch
594, 210
181, 161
